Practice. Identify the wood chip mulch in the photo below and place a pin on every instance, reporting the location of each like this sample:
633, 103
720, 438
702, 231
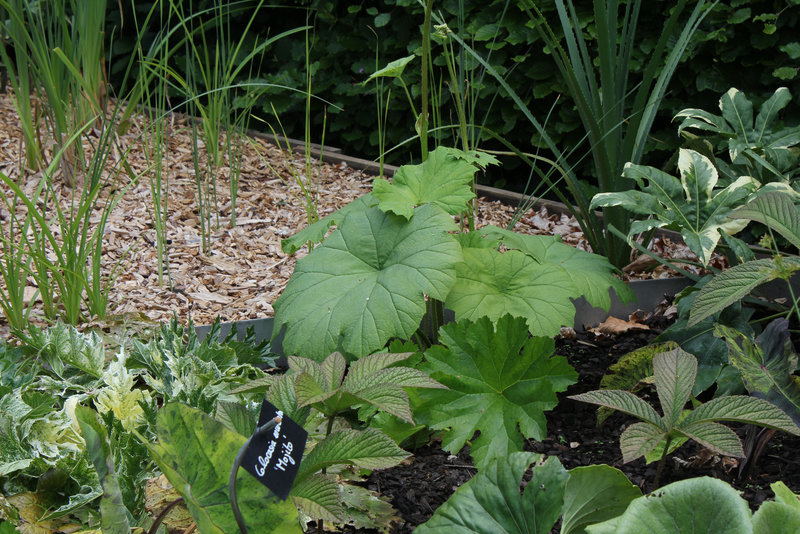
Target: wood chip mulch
245, 270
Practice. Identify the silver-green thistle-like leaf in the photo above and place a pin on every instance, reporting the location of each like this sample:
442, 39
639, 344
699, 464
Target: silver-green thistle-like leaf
367, 282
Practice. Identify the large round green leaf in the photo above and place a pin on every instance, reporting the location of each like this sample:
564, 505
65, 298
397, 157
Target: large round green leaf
367, 282
595, 493
697, 506
491, 503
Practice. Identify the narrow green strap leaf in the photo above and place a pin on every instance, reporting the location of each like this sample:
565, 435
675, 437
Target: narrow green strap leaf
639, 439
623, 401
675, 372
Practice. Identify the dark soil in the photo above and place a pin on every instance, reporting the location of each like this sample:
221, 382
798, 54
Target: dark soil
417, 489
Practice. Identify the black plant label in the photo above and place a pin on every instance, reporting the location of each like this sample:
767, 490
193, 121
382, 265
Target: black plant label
274, 455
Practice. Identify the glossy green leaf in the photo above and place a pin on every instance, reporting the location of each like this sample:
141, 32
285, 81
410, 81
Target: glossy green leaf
315, 232
674, 508
501, 383
443, 179
366, 283
776, 518
113, 514
593, 494
394, 69
491, 503
196, 453
592, 274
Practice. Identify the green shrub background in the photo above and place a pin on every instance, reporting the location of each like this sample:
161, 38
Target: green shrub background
752, 45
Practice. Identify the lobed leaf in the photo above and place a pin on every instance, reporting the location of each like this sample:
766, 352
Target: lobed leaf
501, 382
366, 283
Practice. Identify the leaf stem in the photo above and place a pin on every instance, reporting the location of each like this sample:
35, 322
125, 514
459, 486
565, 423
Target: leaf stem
661, 463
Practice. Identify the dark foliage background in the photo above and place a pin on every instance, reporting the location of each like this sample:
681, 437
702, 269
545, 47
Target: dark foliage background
753, 45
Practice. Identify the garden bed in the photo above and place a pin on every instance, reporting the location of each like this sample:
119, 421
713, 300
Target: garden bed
432, 475
245, 270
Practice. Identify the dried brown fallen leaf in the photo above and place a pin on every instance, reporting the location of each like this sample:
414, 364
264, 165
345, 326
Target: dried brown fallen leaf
614, 326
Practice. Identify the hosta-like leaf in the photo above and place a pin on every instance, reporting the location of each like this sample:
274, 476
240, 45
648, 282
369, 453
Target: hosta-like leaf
675, 372
714, 436
442, 179
369, 449
367, 282
501, 382
695, 506
742, 409
639, 439
491, 503
767, 366
196, 453
591, 274
593, 494
623, 401
733, 284
776, 518
492, 284
775, 210
318, 496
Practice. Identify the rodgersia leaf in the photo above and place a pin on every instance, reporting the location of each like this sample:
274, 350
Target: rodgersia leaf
501, 382
367, 282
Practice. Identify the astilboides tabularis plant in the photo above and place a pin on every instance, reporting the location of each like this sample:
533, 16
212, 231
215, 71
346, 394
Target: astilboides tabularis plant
397, 249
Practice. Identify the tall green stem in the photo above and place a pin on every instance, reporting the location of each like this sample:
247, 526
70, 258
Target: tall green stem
422, 121
661, 463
